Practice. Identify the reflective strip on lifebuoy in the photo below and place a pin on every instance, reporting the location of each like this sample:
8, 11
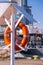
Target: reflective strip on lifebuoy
25, 35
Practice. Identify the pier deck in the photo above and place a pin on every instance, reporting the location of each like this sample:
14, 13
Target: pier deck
22, 62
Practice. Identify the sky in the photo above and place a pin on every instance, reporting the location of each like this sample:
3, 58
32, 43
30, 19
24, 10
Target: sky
37, 11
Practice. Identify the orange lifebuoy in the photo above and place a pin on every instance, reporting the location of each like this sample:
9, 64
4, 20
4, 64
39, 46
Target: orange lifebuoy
25, 35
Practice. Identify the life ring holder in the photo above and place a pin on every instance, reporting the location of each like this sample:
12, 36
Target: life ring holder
25, 35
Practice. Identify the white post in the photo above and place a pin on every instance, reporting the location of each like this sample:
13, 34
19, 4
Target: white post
12, 40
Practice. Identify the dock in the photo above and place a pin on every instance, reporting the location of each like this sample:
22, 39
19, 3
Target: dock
23, 62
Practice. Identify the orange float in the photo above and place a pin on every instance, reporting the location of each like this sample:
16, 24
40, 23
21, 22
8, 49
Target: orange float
23, 41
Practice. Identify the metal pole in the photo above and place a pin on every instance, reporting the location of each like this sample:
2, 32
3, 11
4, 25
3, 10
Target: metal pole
12, 40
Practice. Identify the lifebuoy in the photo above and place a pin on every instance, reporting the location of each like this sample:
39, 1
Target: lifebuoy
25, 35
